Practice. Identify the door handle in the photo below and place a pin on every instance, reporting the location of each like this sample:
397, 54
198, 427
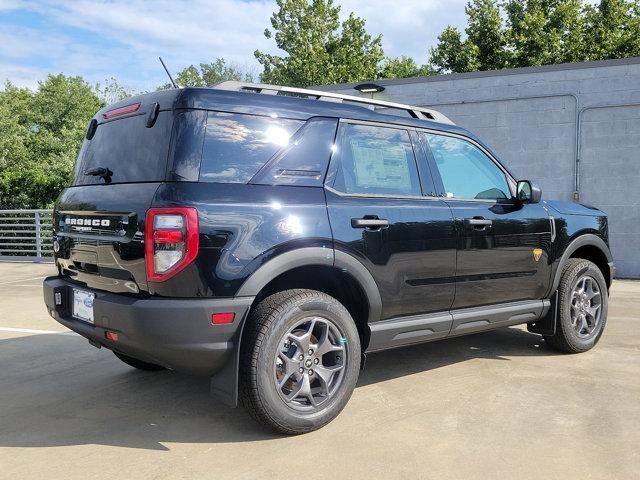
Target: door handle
370, 223
478, 223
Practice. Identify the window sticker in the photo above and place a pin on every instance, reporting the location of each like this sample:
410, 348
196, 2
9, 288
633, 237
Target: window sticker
375, 167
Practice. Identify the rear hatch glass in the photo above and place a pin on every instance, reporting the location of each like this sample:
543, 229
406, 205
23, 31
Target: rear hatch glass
128, 148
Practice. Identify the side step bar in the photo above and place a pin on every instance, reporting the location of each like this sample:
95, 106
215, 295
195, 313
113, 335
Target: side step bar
398, 332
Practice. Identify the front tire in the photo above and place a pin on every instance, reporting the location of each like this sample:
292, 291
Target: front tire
583, 307
300, 361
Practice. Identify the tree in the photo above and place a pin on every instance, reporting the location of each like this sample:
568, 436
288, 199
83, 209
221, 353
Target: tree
538, 32
40, 135
612, 29
543, 32
403, 67
211, 73
208, 74
485, 32
111, 91
320, 50
452, 54
484, 47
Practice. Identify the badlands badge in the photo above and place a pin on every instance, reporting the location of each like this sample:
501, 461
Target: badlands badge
537, 253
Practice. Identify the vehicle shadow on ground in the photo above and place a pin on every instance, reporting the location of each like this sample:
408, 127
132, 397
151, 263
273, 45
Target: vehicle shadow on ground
55, 390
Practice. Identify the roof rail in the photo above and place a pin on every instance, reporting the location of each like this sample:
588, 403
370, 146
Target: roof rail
415, 112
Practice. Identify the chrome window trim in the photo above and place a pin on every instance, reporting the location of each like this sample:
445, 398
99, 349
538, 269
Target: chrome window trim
381, 195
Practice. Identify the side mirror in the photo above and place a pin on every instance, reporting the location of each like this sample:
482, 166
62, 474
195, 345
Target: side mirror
527, 192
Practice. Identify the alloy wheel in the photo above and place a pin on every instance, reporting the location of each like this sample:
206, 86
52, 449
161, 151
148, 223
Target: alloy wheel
586, 306
310, 363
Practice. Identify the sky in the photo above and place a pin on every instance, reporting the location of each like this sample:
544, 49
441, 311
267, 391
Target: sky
99, 39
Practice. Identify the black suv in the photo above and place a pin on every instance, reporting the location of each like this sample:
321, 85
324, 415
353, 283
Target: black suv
269, 237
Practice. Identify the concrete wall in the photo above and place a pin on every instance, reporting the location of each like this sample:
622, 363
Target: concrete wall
529, 117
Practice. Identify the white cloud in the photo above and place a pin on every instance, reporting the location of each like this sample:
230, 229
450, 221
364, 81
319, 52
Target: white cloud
21, 75
408, 27
123, 38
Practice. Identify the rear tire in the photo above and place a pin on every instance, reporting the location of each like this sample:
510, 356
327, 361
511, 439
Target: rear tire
139, 364
583, 307
300, 361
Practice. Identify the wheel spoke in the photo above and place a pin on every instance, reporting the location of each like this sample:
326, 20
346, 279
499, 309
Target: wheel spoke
296, 390
583, 324
324, 345
291, 366
327, 372
593, 310
304, 340
302, 389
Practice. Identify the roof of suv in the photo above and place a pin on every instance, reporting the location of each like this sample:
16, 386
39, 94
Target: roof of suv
282, 105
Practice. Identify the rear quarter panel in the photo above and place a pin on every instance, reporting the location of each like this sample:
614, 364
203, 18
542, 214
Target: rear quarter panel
241, 228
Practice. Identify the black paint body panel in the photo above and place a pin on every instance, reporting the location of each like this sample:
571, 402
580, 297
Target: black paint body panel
426, 275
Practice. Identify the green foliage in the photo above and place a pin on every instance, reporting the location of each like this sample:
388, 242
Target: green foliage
208, 74
538, 32
612, 29
111, 91
544, 32
452, 54
403, 67
40, 135
319, 49
484, 30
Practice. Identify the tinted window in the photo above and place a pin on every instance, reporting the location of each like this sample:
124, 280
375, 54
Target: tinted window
376, 160
466, 171
133, 152
304, 161
237, 145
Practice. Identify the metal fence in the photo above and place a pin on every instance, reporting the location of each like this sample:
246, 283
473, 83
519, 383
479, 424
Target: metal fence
26, 235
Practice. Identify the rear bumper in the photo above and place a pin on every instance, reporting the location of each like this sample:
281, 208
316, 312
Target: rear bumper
174, 333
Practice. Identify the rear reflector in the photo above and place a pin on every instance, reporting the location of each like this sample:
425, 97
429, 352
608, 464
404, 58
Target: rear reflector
113, 336
222, 318
168, 236
116, 112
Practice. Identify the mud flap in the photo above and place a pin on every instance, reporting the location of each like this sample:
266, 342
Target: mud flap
224, 384
547, 324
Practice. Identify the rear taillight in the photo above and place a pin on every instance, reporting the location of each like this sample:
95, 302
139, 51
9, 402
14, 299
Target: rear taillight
171, 241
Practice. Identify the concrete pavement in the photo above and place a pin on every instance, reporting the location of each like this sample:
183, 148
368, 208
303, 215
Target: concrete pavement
493, 405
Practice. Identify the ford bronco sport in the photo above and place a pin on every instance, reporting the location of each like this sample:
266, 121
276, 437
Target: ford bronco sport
269, 237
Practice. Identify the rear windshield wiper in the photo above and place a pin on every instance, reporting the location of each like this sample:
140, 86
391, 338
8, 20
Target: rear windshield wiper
101, 172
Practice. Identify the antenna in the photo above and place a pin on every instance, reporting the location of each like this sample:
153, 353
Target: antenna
167, 70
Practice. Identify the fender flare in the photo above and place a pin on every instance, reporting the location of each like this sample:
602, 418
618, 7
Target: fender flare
581, 241
224, 384
309, 256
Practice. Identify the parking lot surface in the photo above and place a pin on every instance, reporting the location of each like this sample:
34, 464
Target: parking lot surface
494, 405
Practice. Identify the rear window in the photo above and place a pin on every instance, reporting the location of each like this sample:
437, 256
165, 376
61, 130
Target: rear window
133, 152
236, 146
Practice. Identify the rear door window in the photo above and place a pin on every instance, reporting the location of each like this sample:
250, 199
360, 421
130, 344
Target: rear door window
236, 146
133, 152
376, 160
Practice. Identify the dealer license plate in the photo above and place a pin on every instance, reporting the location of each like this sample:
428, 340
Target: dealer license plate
83, 305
